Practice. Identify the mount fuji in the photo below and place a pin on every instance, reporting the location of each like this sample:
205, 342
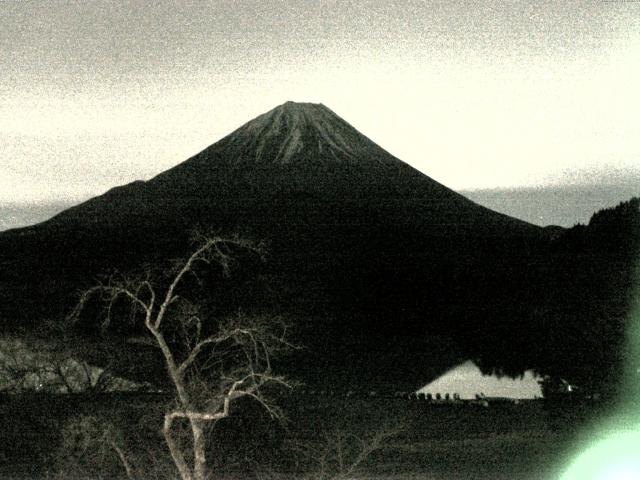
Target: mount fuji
389, 276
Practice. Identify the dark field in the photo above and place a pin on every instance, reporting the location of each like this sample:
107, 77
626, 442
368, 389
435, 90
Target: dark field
454, 441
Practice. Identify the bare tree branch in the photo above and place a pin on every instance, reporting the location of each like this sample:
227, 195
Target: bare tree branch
195, 365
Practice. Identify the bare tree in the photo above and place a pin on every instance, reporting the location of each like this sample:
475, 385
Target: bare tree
93, 442
35, 368
18, 372
210, 363
338, 454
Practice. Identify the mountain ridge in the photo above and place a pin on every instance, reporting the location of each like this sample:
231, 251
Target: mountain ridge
294, 148
370, 257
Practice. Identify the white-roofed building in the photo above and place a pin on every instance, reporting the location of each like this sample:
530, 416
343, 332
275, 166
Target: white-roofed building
466, 381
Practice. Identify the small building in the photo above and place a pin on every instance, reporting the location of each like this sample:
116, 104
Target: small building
466, 382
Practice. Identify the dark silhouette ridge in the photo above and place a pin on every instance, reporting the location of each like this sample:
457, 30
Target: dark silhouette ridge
388, 275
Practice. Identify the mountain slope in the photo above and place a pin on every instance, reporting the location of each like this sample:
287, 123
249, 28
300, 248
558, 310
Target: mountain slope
370, 257
303, 150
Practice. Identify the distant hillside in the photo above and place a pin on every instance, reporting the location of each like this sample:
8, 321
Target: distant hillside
565, 206
583, 324
375, 262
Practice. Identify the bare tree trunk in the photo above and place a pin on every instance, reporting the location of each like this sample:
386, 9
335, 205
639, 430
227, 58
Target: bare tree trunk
174, 449
199, 450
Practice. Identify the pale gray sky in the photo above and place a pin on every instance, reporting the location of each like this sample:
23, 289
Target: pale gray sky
476, 94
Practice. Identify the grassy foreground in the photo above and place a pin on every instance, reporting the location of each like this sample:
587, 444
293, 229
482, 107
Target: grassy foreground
503, 441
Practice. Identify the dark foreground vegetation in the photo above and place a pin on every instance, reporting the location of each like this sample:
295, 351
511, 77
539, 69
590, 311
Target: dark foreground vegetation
418, 440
